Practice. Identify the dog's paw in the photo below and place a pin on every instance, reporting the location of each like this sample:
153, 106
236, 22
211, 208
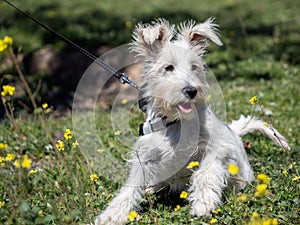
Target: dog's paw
203, 206
111, 217
102, 220
199, 210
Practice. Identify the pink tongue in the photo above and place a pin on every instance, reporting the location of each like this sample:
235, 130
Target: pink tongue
185, 107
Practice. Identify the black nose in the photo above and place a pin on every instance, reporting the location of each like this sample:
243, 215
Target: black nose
190, 92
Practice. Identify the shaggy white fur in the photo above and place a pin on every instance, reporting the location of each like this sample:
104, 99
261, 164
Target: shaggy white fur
176, 89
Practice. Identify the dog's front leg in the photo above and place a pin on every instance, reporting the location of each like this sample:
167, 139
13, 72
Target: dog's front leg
117, 211
207, 185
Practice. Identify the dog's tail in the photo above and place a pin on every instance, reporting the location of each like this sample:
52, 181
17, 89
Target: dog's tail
250, 124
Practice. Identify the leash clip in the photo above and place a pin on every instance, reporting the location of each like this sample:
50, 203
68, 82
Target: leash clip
123, 78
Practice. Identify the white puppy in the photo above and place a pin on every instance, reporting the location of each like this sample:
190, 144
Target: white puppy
180, 127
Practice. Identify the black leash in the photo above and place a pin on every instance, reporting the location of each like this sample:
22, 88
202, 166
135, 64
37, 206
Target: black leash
121, 76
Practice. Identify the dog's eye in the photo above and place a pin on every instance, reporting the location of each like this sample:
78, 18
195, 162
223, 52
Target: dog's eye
169, 68
194, 67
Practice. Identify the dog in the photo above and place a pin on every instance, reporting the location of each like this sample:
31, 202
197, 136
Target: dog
180, 127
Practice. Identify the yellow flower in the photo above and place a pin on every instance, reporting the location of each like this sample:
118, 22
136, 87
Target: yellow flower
192, 164
26, 162
48, 110
45, 108
8, 40
5, 43
3, 46
44, 105
3, 145
100, 150
216, 211
17, 163
177, 208
8, 90
2, 161
132, 215
94, 177
184, 194
60, 145
267, 221
253, 100
40, 212
2, 204
233, 169
285, 173
261, 189
255, 215
296, 178
32, 171
117, 133
68, 134
270, 207
242, 198
213, 220
274, 221
10, 157
266, 124
257, 220
264, 178
124, 101
75, 144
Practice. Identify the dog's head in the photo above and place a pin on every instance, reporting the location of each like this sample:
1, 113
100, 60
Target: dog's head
174, 72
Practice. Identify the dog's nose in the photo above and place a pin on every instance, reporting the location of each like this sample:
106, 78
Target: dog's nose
190, 92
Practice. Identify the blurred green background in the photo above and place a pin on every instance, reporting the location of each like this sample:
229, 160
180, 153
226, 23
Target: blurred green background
260, 56
95, 23
260, 37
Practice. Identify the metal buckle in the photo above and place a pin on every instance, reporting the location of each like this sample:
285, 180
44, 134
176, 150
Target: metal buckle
157, 124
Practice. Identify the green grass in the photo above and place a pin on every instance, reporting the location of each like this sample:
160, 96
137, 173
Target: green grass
260, 57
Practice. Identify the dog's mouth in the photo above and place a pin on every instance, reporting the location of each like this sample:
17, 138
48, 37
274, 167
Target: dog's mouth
185, 107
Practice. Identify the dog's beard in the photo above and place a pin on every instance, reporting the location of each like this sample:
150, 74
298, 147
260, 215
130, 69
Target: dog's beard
174, 111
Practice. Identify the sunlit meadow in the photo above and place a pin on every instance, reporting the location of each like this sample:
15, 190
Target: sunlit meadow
46, 180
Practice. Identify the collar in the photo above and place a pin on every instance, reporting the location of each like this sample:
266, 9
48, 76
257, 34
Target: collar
155, 124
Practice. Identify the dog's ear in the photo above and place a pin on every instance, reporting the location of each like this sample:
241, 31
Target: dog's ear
150, 38
197, 35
